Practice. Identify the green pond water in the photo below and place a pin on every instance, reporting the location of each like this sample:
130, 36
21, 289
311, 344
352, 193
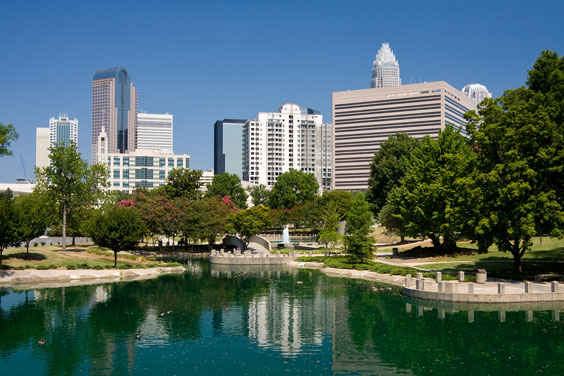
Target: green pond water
269, 321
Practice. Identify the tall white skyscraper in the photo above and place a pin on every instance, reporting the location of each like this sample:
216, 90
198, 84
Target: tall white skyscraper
477, 92
62, 130
385, 69
154, 132
41, 147
293, 138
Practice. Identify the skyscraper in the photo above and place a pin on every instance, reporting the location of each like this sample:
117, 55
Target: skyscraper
114, 107
385, 69
227, 141
62, 130
292, 138
363, 119
477, 92
41, 147
154, 132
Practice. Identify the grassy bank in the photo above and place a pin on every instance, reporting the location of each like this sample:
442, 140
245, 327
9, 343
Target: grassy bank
75, 257
342, 262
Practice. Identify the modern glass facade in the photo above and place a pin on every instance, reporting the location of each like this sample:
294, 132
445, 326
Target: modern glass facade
228, 153
114, 107
62, 130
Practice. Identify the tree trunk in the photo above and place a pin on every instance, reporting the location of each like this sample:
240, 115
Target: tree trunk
73, 240
402, 238
436, 241
517, 269
115, 259
27, 247
1, 257
64, 226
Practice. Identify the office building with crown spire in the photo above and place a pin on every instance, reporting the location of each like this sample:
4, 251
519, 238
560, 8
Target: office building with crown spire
477, 92
385, 69
114, 108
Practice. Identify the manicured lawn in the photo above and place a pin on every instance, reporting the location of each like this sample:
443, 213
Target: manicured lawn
77, 257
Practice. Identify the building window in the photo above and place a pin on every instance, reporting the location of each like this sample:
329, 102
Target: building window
116, 174
161, 162
116, 161
187, 163
179, 162
171, 162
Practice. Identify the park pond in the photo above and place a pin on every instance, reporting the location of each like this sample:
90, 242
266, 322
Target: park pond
213, 320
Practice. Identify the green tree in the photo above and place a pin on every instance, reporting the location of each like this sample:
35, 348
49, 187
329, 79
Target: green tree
183, 182
227, 184
428, 201
293, 188
118, 228
328, 233
359, 223
518, 170
391, 222
8, 222
214, 214
388, 167
33, 215
338, 200
260, 194
7, 135
69, 183
250, 222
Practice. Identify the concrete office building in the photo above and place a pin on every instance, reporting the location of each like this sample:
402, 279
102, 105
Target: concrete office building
385, 69
62, 130
114, 108
363, 119
154, 132
41, 147
227, 141
477, 92
276, 142
140, 168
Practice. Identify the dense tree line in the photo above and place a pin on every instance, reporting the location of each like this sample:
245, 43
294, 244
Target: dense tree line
501, 183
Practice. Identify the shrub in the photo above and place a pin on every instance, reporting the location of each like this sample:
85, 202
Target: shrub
34, 244
42, 243
71, 267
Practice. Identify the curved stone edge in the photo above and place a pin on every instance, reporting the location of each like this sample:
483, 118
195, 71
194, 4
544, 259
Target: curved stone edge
396, 280
483, 298
63, 277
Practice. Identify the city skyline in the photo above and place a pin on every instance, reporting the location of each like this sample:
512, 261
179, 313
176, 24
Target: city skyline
189, 78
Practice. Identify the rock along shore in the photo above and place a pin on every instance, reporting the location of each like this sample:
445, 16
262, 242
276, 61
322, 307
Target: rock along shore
22, 279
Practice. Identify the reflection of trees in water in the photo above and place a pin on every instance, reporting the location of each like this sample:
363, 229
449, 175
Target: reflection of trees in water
428, 345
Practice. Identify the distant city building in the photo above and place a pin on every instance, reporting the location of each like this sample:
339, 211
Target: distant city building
385, 69
293, 138
227, 153
154, 132
477, 92
62, 130
22, 186
141, 168
363, 119
114, 108
41, 147
207, 178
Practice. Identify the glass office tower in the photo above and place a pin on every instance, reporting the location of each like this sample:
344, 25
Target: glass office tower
228, 141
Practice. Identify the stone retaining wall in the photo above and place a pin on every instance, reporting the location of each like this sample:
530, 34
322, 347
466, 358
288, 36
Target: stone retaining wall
248, 258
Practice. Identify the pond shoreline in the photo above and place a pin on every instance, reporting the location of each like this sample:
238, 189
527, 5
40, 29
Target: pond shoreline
396, 280
25, 279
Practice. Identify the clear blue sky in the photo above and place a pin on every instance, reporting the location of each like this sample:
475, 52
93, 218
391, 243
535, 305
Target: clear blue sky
208, 60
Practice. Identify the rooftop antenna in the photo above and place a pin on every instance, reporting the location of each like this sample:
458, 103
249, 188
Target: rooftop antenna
23, 166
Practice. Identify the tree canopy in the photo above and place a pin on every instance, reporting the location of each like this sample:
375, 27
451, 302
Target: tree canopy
359, 222
227, 184
118, 228
8, 222
7, 135
33, 215
388, 167
250, 222
259, 194
293, 188
183, 182
68, 182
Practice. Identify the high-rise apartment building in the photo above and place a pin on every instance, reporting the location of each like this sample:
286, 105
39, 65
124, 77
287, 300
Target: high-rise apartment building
385, 69
363, 119
154, 132
477, 92
293, 138
114, 107
62, 130
41, 147
227, 141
